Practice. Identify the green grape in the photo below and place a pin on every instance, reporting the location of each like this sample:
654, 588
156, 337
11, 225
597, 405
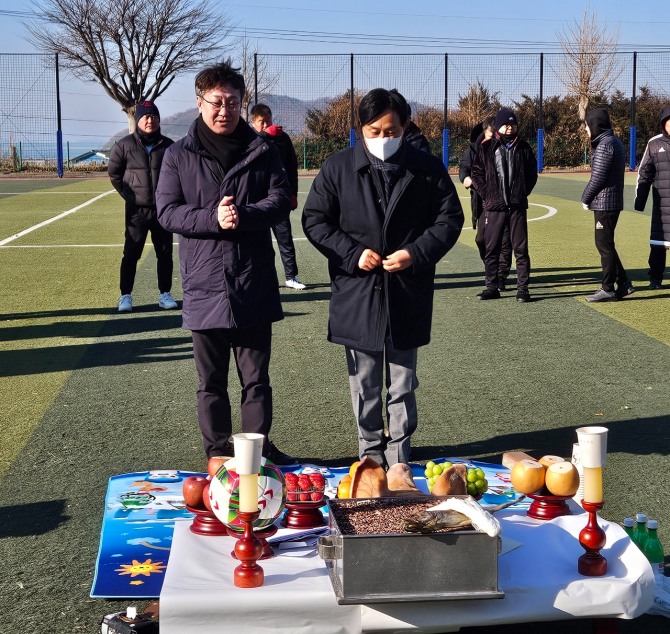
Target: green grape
472, 489
429, 465
437, 470
481, 485
480, 474
471, 475
428, 472
446, 465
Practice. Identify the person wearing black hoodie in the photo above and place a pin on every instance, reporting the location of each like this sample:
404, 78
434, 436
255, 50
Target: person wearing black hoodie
133, 168
654, 173
481, 132
504, 174
604, 196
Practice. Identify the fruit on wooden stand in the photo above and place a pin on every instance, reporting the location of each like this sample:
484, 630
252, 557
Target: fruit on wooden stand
562, 478
192, 489
547, 461
527, 476
205, 497
214, 464
306, 487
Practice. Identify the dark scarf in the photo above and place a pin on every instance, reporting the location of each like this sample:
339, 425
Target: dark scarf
226, 149
390, 171
149, 139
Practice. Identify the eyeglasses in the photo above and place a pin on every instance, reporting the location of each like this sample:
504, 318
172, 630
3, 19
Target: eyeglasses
230, 106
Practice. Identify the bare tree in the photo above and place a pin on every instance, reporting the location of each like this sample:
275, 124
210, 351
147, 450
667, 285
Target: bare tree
133, 48
254, 69
590, 64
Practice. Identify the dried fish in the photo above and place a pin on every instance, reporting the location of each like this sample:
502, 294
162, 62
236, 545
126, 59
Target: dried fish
448, 520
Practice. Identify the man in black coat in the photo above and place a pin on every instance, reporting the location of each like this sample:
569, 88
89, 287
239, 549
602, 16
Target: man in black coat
504, 174
604, 196
383, 213
134, 167
654, 173
261, 120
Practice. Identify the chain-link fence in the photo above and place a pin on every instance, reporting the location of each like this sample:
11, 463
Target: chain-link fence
29, 113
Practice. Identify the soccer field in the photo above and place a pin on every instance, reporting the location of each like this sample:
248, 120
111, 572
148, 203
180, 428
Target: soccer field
88, 393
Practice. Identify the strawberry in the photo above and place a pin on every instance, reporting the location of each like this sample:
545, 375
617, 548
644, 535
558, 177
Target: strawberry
291, 481
318, 481
304, 482
317, 496
304, 497
292, 497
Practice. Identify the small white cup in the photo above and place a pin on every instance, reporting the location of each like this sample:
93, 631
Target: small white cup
592, 446
248, 453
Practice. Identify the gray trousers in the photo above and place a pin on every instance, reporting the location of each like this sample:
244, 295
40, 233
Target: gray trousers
366, 381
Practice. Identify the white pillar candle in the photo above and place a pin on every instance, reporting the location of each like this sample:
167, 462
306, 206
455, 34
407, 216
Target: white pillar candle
248, 492
593, 484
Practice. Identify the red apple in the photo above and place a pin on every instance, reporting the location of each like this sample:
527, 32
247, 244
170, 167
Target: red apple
205, 497
192, 489
214, 463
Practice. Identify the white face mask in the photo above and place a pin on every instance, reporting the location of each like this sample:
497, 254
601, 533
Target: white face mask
383, 147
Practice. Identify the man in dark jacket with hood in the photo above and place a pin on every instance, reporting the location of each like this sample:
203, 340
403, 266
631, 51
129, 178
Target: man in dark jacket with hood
504, 174
383, 213
654, 173
222, 188
604, 196
134, 166
483, 132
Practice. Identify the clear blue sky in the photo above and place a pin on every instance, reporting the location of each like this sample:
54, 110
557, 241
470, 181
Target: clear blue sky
353, 26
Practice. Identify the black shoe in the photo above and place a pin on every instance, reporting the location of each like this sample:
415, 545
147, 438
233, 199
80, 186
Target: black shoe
281, 459
522, 295
655, 285
489, 293
624, 291
501, 284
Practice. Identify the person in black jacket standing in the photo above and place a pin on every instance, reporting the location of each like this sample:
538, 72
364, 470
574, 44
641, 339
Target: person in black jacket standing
134, 167
654, 173
504, 173
261, 120
383, 213
604, 196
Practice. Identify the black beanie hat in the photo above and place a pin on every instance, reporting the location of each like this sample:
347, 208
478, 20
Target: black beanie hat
505, 116
144, 108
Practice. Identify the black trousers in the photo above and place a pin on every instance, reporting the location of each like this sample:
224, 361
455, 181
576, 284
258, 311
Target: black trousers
613, 271
505, 260
282, 231
139, 222
251, 349
494, 229
657, 262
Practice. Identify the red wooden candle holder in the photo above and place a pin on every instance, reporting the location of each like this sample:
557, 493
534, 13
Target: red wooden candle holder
592, 538
248, 551
262, 534
547, 507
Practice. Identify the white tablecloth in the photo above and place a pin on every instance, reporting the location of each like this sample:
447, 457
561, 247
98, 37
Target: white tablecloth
539, 578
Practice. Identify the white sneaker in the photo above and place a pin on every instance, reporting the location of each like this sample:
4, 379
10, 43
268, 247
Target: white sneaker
294, 282
166, 301
125, 303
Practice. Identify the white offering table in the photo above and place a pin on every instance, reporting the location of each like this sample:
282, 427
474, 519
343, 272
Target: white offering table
539, 579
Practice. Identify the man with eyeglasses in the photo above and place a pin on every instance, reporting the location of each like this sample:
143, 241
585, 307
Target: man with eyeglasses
221, 190
134, 166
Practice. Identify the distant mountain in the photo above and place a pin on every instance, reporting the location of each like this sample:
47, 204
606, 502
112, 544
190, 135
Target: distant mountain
288, 112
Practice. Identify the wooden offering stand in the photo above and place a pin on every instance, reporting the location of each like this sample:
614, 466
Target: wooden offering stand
206, 523
547, 507
304, 515
248, 551
592, 538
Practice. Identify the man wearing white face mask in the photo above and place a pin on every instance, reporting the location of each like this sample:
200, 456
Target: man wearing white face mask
383, 213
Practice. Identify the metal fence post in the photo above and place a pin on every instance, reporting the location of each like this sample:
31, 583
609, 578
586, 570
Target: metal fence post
633, 128
445, 114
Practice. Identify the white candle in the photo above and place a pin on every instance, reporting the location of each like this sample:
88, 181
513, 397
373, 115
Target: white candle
248, 492
593, 484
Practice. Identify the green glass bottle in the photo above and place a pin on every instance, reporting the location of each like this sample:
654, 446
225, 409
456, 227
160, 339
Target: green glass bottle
653, 549
640, 533
629, 526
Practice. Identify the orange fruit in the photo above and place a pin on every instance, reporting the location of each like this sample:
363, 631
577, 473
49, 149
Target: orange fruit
344, 487
353, 468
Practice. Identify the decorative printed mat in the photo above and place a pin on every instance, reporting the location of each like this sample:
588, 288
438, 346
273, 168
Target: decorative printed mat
141, 510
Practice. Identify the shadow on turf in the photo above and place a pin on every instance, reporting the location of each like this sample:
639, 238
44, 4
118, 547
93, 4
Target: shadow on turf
639, 436
37, 518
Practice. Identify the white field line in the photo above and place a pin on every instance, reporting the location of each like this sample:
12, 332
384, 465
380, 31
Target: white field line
20, 234
551, 211
84, 246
